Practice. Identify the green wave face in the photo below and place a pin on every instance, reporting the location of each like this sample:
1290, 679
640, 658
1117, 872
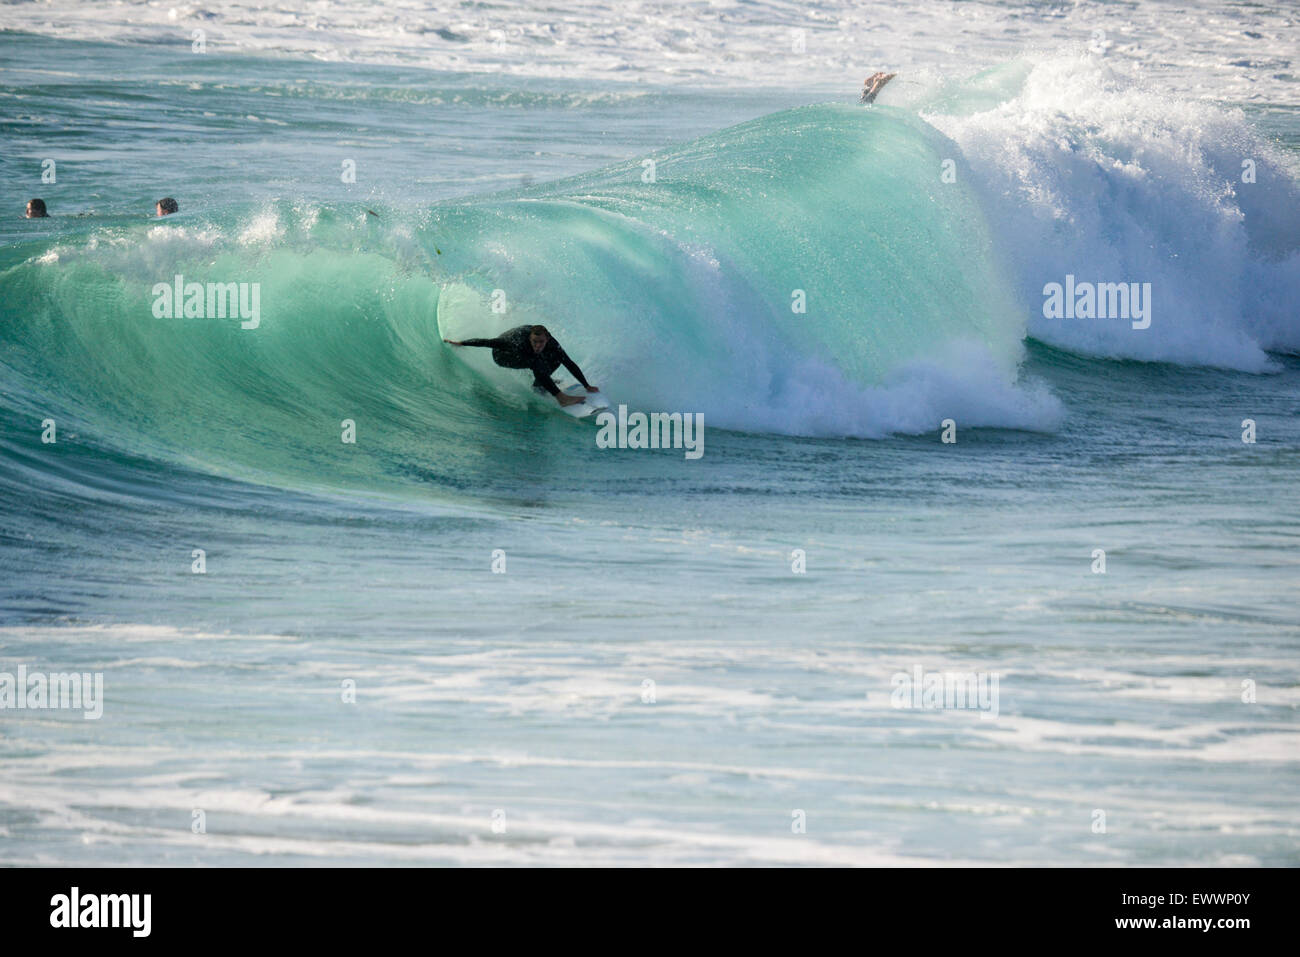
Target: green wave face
686, 288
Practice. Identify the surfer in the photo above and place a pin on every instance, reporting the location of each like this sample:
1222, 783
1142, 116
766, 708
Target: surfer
166, 206
533, 348
873, 84
36, 209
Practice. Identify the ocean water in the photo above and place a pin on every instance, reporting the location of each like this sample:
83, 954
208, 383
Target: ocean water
473, 635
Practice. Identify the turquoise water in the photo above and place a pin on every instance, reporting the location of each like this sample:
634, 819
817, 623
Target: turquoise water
523, 697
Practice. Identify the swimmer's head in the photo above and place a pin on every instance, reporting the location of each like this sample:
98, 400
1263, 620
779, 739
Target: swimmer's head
36, 209
166, 206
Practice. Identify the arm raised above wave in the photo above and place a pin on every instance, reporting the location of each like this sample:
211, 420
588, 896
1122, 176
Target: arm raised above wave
873, 84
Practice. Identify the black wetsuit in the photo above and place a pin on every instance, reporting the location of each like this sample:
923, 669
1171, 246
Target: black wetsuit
513, 350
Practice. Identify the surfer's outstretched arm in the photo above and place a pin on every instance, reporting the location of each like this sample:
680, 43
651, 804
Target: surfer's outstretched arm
488, 343
576, 372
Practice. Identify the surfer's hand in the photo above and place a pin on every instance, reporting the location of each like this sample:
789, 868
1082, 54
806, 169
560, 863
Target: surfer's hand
592, 388
569, 399
453, 342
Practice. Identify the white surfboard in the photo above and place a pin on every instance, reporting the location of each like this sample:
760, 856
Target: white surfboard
592, 402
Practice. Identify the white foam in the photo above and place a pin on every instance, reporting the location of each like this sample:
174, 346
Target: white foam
1088, 171
1200, 50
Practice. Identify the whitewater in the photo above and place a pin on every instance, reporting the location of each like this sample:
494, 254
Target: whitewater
358, 652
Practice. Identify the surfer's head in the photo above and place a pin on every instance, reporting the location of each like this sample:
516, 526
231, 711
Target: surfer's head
539, 337
36, 209
166, 206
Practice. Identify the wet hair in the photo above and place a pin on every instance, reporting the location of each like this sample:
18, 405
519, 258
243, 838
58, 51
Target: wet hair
169, 205
539, 331
36, 208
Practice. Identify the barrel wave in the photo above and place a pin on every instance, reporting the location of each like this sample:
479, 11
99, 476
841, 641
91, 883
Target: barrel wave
807, 272
826, 271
